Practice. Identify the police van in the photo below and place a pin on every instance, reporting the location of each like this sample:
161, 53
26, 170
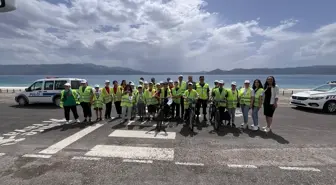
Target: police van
46, 90
322, 97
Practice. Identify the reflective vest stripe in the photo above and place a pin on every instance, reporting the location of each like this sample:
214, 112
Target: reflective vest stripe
106, 96
202, 91
74, 94
232, 99
86, 95
257, 95
245, 99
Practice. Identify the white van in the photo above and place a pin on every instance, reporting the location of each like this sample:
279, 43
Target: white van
46, 90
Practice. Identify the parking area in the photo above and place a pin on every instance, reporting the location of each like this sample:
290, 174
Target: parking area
36, 147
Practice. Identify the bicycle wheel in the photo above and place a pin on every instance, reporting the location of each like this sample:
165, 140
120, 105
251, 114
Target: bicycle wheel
159, 119
191, 119
217, 120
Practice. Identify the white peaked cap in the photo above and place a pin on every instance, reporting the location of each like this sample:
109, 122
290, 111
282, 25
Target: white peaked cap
67, 84
171, 81
107, 81
161, 82
145, 82
158, 84
96, 86
132, 83
190, 83
233, 83
83, 81
216, 81
221, 81
247, 81
140, 86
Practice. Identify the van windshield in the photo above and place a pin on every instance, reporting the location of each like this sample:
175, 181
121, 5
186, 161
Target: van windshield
75, 84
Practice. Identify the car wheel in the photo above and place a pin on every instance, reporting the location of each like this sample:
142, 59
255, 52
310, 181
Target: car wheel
57, 101
330, 107
22, 101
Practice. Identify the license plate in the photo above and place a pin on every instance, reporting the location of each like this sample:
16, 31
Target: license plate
296, 101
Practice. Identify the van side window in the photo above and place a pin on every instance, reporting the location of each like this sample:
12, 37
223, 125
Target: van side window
75, 84
37, 86
49, 85
59, 84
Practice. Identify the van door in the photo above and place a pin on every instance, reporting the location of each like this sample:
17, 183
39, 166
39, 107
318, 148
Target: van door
48, 91
34, 92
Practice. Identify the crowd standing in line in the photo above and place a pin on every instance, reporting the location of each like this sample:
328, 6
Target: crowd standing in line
130, 100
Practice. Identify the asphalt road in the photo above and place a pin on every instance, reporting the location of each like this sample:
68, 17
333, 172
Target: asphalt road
35, 148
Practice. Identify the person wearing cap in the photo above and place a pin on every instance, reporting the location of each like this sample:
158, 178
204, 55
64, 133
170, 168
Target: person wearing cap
107, 96
220, 95
246, 98
215, 85
117, 92
203, 91
135, 92
258, 100
177, 93
140, 103
98, 102
232, 103
163, 95
127, 101
183, 87
190, 96
153, 81
141, 82
145, 86
151, 100
69, 101
86, 99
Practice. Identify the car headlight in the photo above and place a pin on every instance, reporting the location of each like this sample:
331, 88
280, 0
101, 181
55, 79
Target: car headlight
316, 98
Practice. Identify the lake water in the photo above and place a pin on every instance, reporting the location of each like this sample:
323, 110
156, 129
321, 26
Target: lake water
283, 81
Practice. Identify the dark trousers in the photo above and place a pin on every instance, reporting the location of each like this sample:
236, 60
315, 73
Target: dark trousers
67, 112
221, 111
182, 106
176, 106
108, 110
86, 109
117, 106
201, 103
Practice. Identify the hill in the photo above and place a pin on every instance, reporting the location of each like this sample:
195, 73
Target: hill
92, 69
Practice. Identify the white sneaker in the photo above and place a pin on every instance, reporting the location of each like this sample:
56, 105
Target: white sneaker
243, 125
77, 121
254, 128
67, 122
267, 129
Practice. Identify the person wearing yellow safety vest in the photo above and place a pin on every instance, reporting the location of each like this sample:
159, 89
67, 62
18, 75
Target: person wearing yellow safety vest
190, 95
98, 102
127, 101
182, 85
163, 95
232, 103
203, 91
107, 97
220, 95
117, 92
215, 85
135, 92
86, 98
177, 93
140, 102
150, 100
69, 101
246, 97
258, 100
145, 86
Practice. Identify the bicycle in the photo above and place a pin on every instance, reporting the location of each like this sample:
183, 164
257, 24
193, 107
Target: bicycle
212, 111
192, 116
217, 116
160, 116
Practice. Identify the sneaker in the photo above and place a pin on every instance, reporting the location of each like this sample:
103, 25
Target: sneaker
233, 125
77, 121
243, 125
67, 122
254, 128
267, 129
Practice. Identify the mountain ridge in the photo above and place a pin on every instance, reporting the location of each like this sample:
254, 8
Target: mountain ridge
93, 69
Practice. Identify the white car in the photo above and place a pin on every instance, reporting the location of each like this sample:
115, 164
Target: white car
46, 90
322, 97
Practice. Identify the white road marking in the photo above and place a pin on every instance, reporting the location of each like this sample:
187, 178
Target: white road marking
130, 122
137, 161
2, 154
128, 152
86, 158
143, 122
241, 166
189, 164
143, 134
69, 140
37, 156
299, 168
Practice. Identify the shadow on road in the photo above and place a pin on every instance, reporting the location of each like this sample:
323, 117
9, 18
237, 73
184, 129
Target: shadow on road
314, 111
223, 131
270, 135
185, 131
65, 127
36, 106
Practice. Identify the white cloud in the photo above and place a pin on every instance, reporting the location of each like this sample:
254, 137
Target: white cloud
162, 35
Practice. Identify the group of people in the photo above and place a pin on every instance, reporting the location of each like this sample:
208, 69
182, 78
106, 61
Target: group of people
131, 100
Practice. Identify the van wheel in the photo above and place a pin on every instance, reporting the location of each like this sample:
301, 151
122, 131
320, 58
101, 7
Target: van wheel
57, 101
330, 107
22, 101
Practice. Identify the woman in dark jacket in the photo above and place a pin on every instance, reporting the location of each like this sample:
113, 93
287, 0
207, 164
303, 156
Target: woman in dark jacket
271, 94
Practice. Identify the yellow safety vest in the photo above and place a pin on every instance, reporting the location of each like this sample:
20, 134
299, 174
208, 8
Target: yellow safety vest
202, 91
245, 99
178, 92
149, 99
140, 98
163, 93
117, 96
232, 98
98, 98
107, 97
74, 93
182, 85
126, 101
220, 97
257, 95
86, 95
189, 95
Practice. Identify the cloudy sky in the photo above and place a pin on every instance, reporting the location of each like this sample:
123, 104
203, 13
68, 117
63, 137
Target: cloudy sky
170, 35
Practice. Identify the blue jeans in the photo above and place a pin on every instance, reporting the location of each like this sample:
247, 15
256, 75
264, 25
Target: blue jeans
255, 112
245, 109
